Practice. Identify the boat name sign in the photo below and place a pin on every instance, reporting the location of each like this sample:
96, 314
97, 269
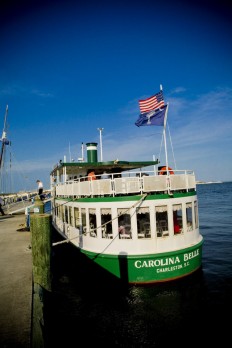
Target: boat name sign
174, 261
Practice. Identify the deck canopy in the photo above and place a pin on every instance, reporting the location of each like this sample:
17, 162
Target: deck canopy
99, 167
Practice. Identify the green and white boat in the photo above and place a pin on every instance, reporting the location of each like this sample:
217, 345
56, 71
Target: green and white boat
140, 226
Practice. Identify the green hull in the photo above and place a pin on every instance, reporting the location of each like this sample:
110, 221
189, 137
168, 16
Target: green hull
146, 269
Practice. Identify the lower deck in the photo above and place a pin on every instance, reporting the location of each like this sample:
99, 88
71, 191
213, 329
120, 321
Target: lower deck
139, 224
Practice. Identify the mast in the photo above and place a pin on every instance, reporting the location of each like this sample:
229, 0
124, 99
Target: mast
70, 157
4, 139
100, 130
82, 151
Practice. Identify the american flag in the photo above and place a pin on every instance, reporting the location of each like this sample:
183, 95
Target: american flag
152, 103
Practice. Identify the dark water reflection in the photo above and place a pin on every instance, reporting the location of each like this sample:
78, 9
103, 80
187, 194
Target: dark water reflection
189, 312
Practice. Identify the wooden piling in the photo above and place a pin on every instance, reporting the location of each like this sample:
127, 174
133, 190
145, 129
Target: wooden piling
41, 242
38, 206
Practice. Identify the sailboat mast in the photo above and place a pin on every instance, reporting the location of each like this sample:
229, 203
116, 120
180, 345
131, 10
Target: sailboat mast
3, 139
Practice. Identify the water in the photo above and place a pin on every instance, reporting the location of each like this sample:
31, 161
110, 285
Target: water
188, 312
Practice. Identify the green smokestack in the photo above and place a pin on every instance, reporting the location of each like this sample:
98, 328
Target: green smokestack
91, 152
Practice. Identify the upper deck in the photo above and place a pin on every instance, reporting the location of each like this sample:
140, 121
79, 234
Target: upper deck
127, 183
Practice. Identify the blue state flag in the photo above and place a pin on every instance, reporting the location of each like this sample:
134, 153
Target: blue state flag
152, 118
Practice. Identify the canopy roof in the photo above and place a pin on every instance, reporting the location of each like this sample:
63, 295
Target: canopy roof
99, 167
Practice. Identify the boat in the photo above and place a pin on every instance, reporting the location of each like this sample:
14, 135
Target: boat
137, 221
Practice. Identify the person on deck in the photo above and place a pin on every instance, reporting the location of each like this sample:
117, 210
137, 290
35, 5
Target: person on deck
105, 175
91, 175
121, 228
176, 224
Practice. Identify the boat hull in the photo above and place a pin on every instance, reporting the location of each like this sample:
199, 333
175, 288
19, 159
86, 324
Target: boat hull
149, 269
145, 237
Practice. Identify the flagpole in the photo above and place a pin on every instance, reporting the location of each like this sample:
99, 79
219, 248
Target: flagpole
164, 132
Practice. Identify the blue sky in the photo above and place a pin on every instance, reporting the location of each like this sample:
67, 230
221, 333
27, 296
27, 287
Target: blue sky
70, 67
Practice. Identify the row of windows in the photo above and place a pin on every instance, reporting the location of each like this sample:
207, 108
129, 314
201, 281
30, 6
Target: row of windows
180, 219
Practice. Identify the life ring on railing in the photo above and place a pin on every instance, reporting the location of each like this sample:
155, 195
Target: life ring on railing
163, 171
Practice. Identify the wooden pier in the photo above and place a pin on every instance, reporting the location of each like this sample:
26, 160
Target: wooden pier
16, 282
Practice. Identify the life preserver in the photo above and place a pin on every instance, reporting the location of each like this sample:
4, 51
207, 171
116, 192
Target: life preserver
163, 171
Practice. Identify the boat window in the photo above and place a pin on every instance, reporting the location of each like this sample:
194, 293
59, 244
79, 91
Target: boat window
56, 209
177, 218
106, 223
196, 214
71, 219
83, 220
161, 214
61, 212
124, 224
189, 216
92, 223
66, 214
77, 217
143, 222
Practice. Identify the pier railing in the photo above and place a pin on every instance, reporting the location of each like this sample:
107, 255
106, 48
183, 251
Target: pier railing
128, 183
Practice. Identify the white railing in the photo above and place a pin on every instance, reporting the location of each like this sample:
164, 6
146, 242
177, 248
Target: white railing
128, 183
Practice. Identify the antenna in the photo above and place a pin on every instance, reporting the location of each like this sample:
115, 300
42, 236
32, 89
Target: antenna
82, 151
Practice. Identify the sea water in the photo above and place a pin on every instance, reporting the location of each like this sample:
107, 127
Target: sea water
190, 312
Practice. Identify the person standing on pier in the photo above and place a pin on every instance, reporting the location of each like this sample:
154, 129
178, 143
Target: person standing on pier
1, 204
40, 189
